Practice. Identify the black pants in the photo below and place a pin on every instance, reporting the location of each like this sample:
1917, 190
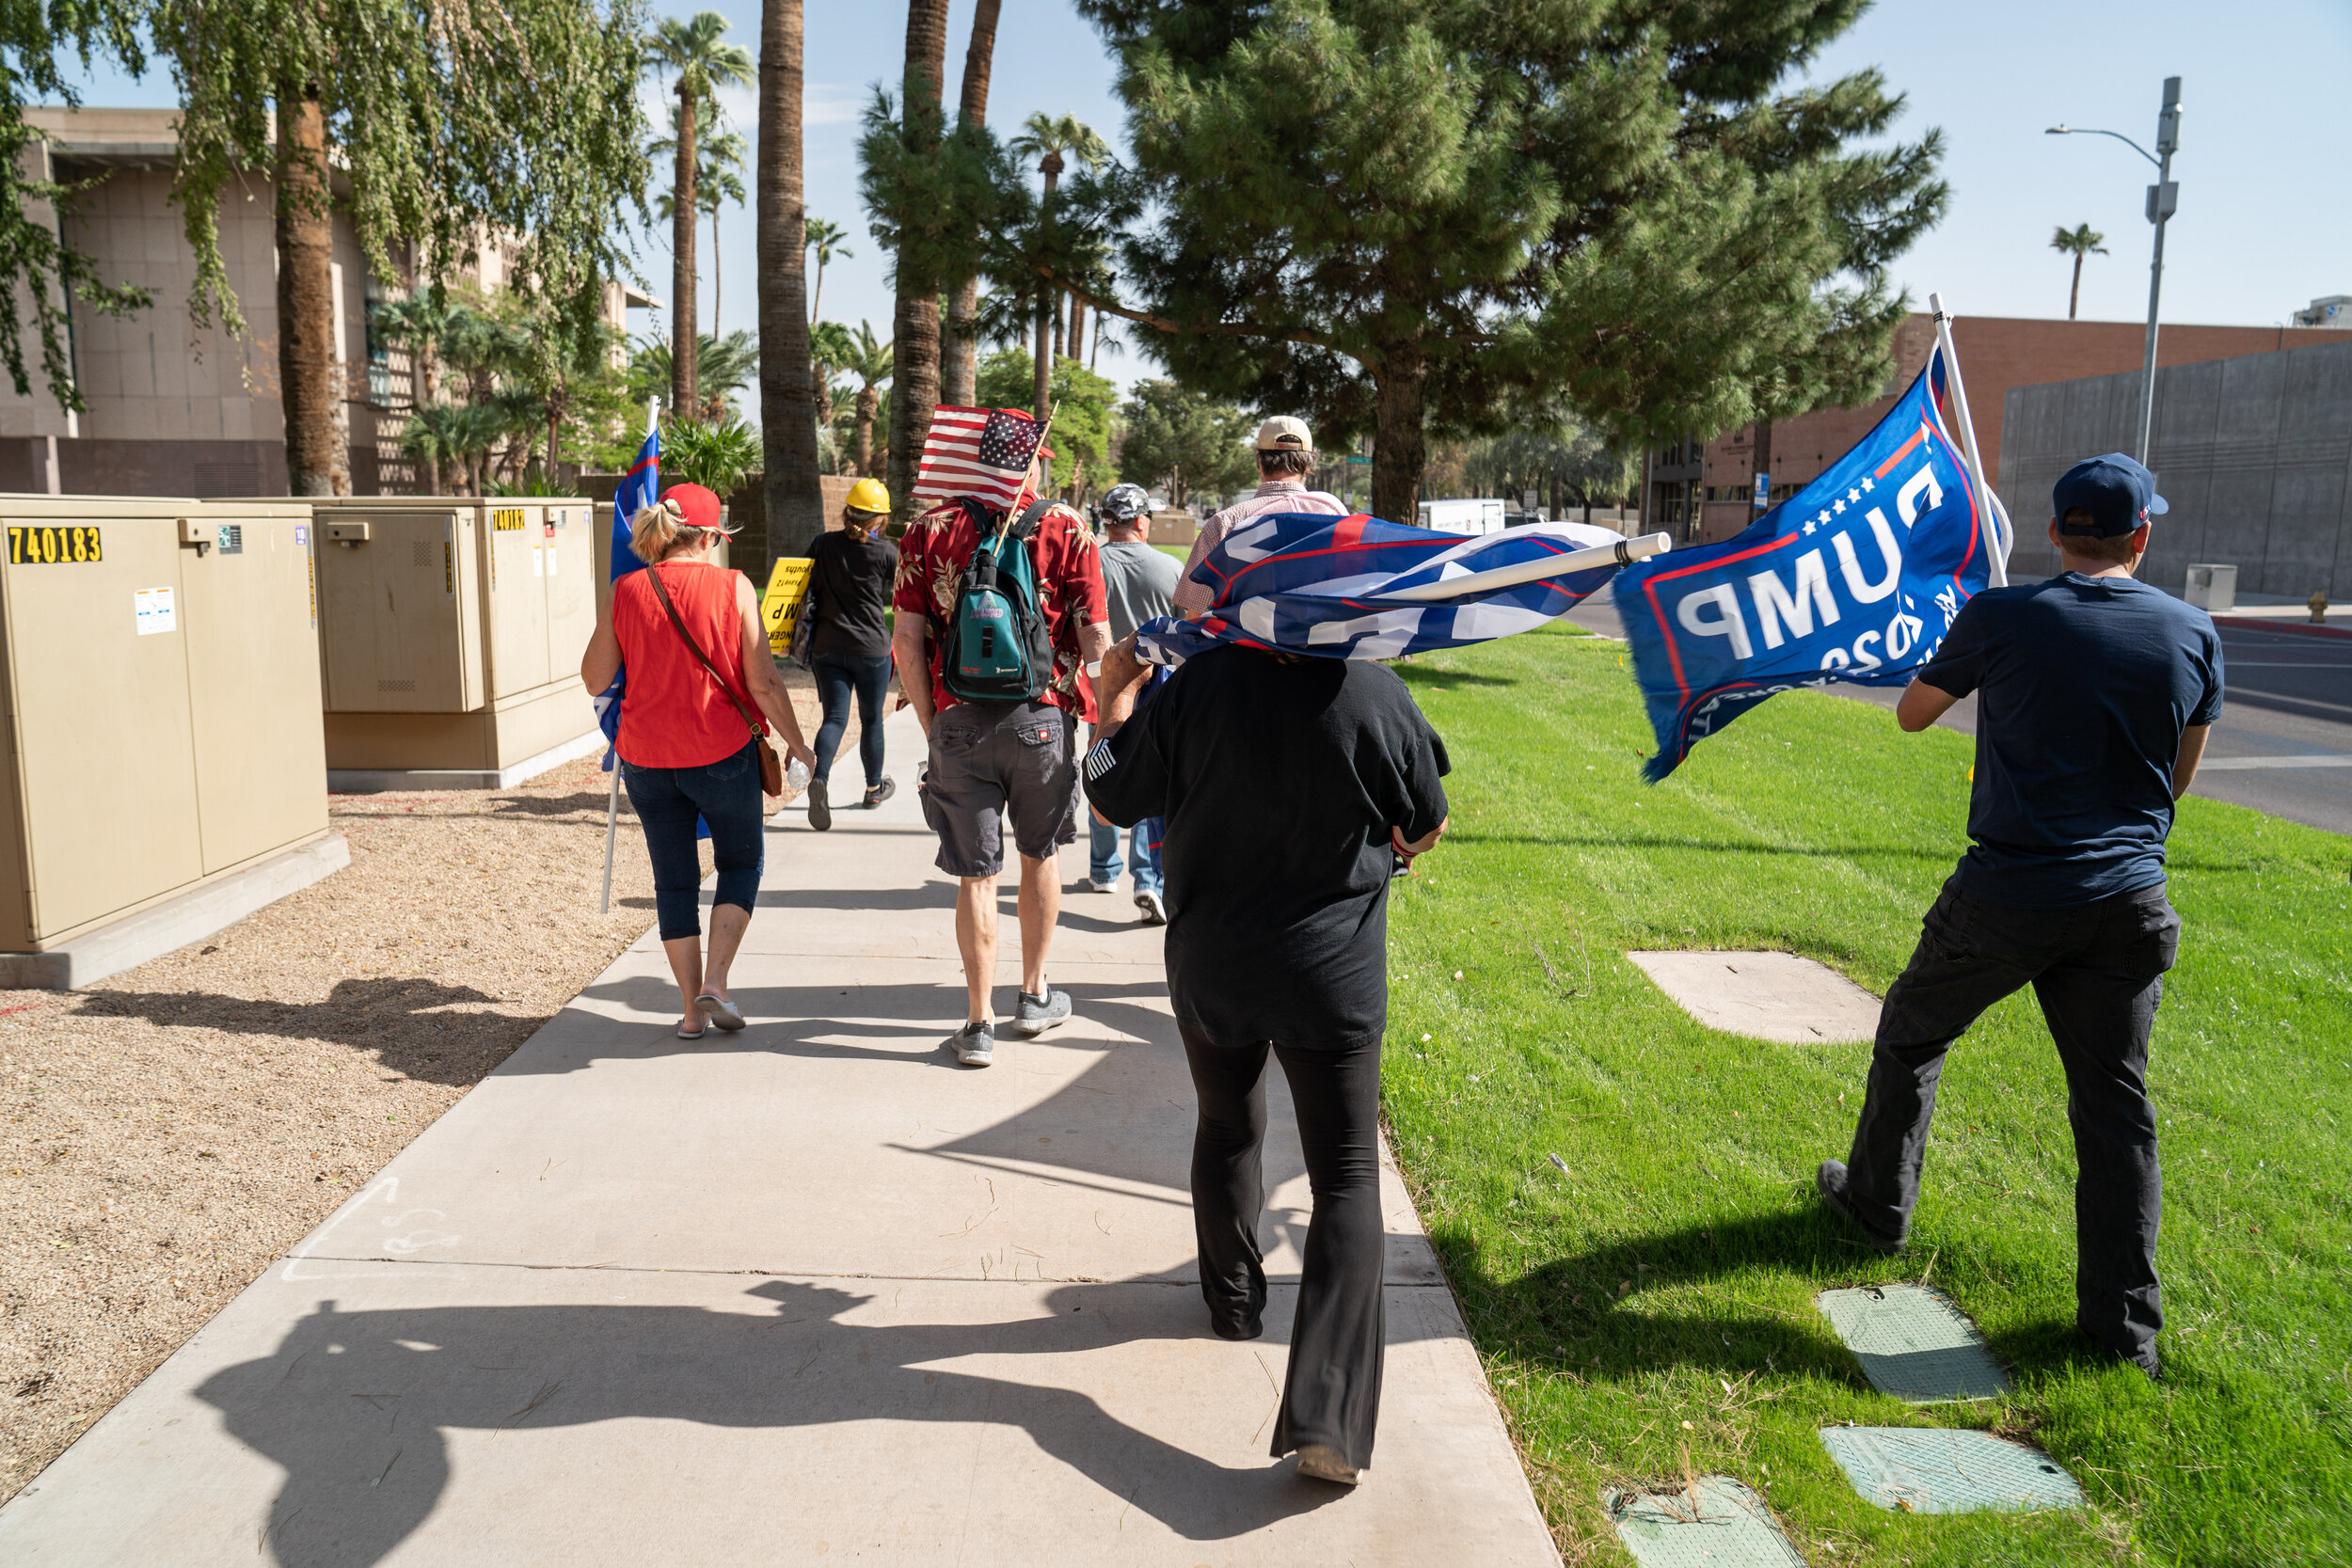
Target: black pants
1339, 1340
2097, 969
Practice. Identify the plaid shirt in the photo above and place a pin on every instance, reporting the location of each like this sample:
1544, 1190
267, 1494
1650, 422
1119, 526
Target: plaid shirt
938, 547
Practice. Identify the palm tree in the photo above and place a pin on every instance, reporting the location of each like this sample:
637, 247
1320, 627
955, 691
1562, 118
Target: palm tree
2078, 242
827, 238
958, 349
704, 65
791, 500
1046, 137
718, 179
914, 335
417, 325
870, 362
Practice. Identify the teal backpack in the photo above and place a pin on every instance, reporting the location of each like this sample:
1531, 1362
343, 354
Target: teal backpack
997, 650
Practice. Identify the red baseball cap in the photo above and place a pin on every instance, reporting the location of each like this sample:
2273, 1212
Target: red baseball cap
697, 503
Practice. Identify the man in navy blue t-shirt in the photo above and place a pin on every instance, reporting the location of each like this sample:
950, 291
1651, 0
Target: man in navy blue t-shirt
2095, 695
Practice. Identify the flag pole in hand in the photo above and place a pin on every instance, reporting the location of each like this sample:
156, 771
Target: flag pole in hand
612, 798
2002, 534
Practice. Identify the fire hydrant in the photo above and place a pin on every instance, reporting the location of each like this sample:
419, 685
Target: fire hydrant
2318, 602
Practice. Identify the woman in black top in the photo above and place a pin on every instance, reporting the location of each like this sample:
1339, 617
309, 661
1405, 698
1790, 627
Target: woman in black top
848, 641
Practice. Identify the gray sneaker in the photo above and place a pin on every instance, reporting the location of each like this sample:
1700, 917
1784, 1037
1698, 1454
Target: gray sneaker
820, 806
1034, 1015
975, 1044
1828, 1181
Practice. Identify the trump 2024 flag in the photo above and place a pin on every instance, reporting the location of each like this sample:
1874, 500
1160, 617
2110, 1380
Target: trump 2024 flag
1856, 577
1311, 583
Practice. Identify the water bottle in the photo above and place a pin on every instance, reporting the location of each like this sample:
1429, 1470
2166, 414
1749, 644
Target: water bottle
795, 776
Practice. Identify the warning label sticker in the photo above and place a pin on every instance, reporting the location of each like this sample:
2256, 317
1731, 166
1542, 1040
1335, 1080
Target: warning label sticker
155, 611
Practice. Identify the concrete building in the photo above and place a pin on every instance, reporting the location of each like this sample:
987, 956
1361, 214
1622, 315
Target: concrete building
176, 410
1702, 491
2326, 311
2254, 455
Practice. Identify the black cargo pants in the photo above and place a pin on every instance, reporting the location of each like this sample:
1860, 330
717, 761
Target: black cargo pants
2097, 969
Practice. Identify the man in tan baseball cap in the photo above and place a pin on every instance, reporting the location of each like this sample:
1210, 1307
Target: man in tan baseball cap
1286, 455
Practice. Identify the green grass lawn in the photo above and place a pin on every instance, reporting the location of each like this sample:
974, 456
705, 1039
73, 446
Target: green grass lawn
1656, 1299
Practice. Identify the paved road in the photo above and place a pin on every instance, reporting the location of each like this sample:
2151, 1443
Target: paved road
2285, 742
808, 1292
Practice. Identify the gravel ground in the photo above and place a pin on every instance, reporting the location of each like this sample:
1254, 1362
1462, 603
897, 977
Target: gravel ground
168, 1134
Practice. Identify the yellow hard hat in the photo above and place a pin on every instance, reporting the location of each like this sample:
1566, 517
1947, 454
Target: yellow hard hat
870, 495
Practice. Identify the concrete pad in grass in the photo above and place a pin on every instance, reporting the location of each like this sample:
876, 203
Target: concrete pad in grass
1767, 996
1928, 1470
1913, 1343
1718, 1523
425, 1414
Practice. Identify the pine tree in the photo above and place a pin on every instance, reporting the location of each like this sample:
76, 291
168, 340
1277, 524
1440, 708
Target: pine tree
1414, 217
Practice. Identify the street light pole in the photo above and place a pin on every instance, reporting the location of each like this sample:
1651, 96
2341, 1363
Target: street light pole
2164, 198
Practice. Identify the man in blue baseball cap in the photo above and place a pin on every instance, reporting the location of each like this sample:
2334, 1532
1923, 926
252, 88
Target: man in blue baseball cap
2095, 695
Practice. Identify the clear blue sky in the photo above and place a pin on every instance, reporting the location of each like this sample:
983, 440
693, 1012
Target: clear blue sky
2261, 228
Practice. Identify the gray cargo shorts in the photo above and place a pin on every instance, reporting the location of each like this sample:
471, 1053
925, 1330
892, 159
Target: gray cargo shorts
988, 759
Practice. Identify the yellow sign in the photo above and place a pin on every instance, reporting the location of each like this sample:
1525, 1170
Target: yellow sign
780, 606
48, 547
506, 519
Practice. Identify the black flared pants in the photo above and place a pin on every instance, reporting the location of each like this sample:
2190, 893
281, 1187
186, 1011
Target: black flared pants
1332, 1392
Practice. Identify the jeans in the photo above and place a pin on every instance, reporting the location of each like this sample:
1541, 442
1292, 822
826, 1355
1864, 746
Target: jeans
837, 676
725, 794
1143, 839
1339, 1340
1143, 844
2097, 969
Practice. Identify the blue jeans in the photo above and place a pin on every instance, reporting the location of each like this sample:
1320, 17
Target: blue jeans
839, 675
725, 794
1143, 844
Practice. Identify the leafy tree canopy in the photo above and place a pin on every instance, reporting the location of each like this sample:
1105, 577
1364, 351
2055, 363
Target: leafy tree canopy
1083, 410
1185, 440
1411, 217
450, 122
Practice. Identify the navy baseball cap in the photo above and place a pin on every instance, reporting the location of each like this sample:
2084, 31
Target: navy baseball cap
2119, 493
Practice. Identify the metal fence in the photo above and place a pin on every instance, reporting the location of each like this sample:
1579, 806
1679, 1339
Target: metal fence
2254, 456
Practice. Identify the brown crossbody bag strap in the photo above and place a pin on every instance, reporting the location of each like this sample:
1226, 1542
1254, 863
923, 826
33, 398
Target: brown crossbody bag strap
771, 769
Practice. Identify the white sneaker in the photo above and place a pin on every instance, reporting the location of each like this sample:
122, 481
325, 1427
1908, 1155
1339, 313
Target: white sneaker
1094, 886
1154, 912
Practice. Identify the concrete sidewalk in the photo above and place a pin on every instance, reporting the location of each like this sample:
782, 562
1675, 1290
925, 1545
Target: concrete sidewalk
805, 1293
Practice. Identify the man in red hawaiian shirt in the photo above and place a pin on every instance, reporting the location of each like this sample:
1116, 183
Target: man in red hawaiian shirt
990, 758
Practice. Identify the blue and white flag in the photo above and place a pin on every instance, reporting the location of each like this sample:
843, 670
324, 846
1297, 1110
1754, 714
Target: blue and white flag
639, 488
1311, 583
1856, 577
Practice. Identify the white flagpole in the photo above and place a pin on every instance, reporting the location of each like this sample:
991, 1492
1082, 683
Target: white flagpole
1995, 520
1623, 553
612, 799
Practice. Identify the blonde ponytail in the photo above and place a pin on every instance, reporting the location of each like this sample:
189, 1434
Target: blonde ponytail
655, 529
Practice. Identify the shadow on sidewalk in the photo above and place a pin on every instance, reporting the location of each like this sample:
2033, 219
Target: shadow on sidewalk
356, 1406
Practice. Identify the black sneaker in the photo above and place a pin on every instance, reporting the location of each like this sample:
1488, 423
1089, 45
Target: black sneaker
1830, 1182
879, 793
975, 1044
819, 809
1033, 1015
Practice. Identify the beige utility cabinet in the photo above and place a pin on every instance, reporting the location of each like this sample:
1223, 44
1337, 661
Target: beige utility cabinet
450, 637
163, 718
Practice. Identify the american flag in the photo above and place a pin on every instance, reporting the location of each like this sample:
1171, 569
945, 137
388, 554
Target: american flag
1321, 585
981, 453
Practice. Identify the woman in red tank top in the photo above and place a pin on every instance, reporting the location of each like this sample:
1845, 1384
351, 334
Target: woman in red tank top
690, 732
